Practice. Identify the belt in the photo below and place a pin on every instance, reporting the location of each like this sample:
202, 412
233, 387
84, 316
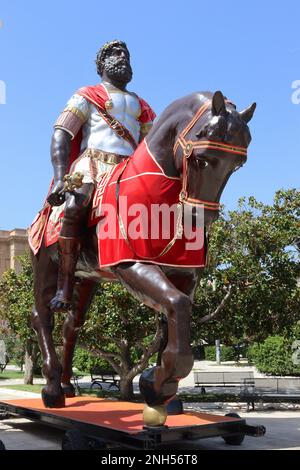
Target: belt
105, 157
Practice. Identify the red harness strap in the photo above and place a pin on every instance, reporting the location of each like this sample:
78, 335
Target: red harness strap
188, 147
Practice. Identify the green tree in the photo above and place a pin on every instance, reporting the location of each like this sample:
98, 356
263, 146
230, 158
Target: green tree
117, 328
278, 355
16, 300
249, 290
123, 331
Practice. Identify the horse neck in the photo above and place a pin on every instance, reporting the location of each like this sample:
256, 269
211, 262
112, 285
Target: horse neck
165, 131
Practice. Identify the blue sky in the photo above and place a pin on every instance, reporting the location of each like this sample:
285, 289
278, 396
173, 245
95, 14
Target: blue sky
249, 51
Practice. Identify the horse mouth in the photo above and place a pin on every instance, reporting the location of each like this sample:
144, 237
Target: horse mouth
198, 217
210, 217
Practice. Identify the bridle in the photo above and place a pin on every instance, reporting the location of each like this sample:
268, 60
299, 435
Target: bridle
188, 146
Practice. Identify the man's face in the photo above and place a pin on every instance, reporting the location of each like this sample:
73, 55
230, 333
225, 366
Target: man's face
117, 65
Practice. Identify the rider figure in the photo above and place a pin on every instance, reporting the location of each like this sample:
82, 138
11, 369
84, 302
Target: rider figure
108, 122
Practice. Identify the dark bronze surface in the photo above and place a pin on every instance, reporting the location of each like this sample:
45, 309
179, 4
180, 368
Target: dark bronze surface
167, 290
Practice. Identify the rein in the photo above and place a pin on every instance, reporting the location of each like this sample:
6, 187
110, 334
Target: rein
188, 147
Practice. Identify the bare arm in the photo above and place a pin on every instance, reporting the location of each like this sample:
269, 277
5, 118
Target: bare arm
66, 128
60, 155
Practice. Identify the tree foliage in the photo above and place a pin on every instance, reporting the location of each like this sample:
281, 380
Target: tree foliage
123, 331
278, 355
248, 292
254, 253
16, 300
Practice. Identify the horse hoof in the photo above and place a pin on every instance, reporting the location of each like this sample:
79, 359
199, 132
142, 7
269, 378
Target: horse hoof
147, 388
58, 305
53, 400
175, 407
69, 390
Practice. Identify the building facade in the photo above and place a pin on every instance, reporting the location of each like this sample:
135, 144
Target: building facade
12, 244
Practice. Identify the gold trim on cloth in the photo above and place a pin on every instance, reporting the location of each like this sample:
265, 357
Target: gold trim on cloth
69, 122
104, 157
77, 112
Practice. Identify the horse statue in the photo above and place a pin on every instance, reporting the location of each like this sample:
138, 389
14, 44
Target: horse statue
190, 152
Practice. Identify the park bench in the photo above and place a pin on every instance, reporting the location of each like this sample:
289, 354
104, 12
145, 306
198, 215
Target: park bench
271, 389
98, 377
75, 379
3, 356
2, 366
221, 379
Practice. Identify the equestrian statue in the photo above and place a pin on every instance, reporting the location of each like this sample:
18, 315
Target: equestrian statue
112, 162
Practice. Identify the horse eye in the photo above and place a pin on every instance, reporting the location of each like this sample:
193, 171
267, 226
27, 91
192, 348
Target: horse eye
202, 163
201, 133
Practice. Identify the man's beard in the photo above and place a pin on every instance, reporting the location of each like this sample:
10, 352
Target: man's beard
118, 70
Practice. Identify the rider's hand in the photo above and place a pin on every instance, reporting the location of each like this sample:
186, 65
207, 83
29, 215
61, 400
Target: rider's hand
55, 198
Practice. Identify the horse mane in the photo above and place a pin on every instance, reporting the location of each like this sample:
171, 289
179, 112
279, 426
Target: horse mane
188, 104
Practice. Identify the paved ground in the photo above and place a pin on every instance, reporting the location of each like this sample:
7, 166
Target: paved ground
283, 426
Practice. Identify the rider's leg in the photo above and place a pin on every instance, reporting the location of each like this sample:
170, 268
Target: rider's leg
75, 213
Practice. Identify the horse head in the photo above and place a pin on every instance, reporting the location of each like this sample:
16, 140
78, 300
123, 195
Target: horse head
206, 139
209, 149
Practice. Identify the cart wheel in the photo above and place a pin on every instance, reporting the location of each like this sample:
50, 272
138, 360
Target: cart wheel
4, 415
96, 385
2, 446
96, 444
235, 439
74, 440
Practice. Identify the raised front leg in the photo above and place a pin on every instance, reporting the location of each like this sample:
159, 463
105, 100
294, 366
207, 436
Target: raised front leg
150, 285
83, 296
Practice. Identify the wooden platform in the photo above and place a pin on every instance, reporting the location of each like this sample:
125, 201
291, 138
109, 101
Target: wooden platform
118, 415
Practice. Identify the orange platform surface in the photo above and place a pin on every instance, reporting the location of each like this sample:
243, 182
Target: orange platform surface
120, 415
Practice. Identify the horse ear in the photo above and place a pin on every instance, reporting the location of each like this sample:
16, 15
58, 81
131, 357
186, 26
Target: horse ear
247, 113
218, 104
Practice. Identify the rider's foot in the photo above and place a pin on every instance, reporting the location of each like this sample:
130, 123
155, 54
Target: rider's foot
59, 304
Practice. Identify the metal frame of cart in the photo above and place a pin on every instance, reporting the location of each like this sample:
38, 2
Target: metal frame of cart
100, 437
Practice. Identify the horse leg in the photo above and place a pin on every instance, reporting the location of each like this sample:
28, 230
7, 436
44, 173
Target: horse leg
83, 295
45, 279
150, 285
185, 281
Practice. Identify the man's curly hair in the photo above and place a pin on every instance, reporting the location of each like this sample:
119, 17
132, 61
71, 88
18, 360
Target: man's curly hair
105, 50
